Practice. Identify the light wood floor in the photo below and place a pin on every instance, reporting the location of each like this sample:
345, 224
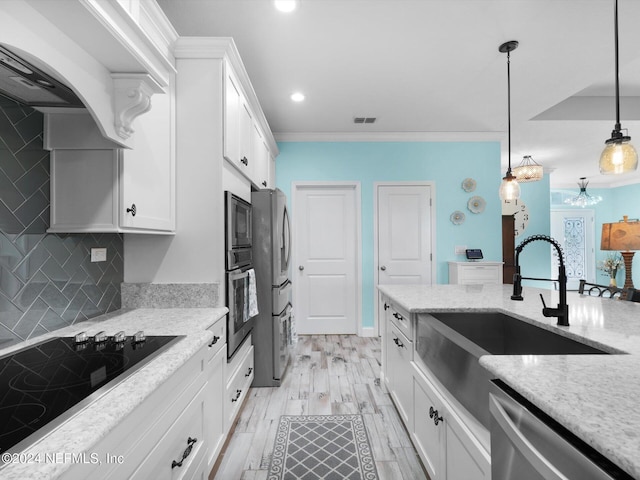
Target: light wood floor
329, 374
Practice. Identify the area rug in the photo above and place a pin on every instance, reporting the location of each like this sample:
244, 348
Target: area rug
332, 447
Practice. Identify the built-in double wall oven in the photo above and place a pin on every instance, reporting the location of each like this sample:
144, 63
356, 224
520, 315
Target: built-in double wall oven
239, 271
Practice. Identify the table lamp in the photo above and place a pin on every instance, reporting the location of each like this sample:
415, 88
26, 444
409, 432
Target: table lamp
623, 236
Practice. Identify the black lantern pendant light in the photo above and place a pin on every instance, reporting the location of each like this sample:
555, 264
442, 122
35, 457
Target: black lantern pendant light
509, 188
618, 156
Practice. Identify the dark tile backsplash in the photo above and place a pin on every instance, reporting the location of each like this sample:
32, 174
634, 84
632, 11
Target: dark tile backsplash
47, 281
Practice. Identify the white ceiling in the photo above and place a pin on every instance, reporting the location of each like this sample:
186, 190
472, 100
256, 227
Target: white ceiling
431, 69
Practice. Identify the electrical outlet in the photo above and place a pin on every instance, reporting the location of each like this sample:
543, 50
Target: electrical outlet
98, 254
460, 249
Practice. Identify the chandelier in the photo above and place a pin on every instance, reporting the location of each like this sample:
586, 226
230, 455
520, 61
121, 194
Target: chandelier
528, 170
583, 199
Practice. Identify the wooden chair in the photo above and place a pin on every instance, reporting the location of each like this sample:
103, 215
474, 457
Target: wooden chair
595, 290
630, 294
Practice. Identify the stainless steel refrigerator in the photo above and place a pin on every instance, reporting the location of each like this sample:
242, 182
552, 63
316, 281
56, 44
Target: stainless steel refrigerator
271, 256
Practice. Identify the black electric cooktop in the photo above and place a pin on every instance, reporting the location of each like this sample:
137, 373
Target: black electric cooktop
43, 385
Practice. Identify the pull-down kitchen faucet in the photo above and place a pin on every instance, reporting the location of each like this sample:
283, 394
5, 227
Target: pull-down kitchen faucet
562, 311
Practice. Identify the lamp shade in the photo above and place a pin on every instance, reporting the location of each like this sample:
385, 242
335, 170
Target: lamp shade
528, 170
621, 236
618, 157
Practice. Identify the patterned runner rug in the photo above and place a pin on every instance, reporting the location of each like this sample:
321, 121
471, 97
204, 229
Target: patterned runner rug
332, 447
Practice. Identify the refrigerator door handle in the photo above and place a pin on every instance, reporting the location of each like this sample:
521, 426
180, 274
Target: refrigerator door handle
286, 227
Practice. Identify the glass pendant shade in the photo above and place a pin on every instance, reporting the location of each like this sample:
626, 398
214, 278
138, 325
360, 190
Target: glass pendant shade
528, 170
583, 199
618, 156
509, 188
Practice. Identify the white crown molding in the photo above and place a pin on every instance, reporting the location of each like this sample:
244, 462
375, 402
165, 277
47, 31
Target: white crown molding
132, 97
389, 137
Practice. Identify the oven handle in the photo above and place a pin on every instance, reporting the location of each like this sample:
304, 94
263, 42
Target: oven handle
521, 443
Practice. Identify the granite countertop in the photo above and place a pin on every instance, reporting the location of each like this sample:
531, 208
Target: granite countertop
87, 427
594, 396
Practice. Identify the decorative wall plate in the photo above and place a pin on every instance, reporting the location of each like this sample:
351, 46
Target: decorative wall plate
468, 184
457, 217
476, 204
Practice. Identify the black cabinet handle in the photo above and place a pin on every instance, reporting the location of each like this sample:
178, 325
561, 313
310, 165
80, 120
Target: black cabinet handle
398, 316
264, 184
187, 451
214, 341
398, 342
245, 160
132, 210
434, 414
386, 306
248, 374
238, 393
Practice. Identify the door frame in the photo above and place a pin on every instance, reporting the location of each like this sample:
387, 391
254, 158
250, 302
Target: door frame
355, 186
376, 274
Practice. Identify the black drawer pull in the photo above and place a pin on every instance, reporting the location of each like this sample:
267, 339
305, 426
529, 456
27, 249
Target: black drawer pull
264, 184
187, 451
248, 374
238, 393
245, 161
386, 306
132, 210
434, 414
398, 342
214, 341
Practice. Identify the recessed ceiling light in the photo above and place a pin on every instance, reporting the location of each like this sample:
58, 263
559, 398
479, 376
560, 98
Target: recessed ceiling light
286, 5
297, 97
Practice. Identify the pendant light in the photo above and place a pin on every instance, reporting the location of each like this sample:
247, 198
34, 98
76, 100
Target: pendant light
528, 170
618, 156
509, 188
583, 199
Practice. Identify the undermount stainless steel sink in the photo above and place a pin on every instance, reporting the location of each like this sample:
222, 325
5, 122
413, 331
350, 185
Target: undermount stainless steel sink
451, 343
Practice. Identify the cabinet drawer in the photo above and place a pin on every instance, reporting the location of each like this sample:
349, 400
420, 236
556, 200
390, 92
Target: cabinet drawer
219, 330
480, 273
238, 386
401, 319
179, 452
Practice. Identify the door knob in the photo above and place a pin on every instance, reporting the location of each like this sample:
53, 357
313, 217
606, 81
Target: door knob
383, 268
300, 268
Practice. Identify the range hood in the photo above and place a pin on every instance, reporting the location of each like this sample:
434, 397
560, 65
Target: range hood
29, 85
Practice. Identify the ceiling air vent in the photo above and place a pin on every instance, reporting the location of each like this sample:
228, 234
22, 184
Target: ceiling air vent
364, 120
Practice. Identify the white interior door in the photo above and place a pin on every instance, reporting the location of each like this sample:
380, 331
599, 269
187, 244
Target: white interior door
325, 242
575, 230
404, 237
404, 234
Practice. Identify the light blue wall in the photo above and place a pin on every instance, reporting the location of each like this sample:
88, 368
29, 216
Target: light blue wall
616, 202
446, 164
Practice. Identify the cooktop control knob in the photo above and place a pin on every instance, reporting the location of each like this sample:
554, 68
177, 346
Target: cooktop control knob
81, 337
138, 337
119, 337
100, 337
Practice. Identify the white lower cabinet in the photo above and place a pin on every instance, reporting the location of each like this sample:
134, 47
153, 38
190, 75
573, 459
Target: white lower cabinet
428, 437
179, 452
239, 376
214, 398
448, 449
179, 430
398, 375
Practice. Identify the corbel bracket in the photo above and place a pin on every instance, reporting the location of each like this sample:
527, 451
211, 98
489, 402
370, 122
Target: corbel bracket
132, 98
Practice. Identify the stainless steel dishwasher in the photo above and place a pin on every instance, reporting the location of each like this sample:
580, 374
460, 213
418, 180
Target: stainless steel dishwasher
526, 444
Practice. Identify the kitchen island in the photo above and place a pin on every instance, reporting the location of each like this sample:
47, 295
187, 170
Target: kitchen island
593, 396
74, 440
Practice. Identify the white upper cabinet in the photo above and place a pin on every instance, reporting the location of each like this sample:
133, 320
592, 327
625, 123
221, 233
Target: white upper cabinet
245, 145
98, 187
232, 103
261, 159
